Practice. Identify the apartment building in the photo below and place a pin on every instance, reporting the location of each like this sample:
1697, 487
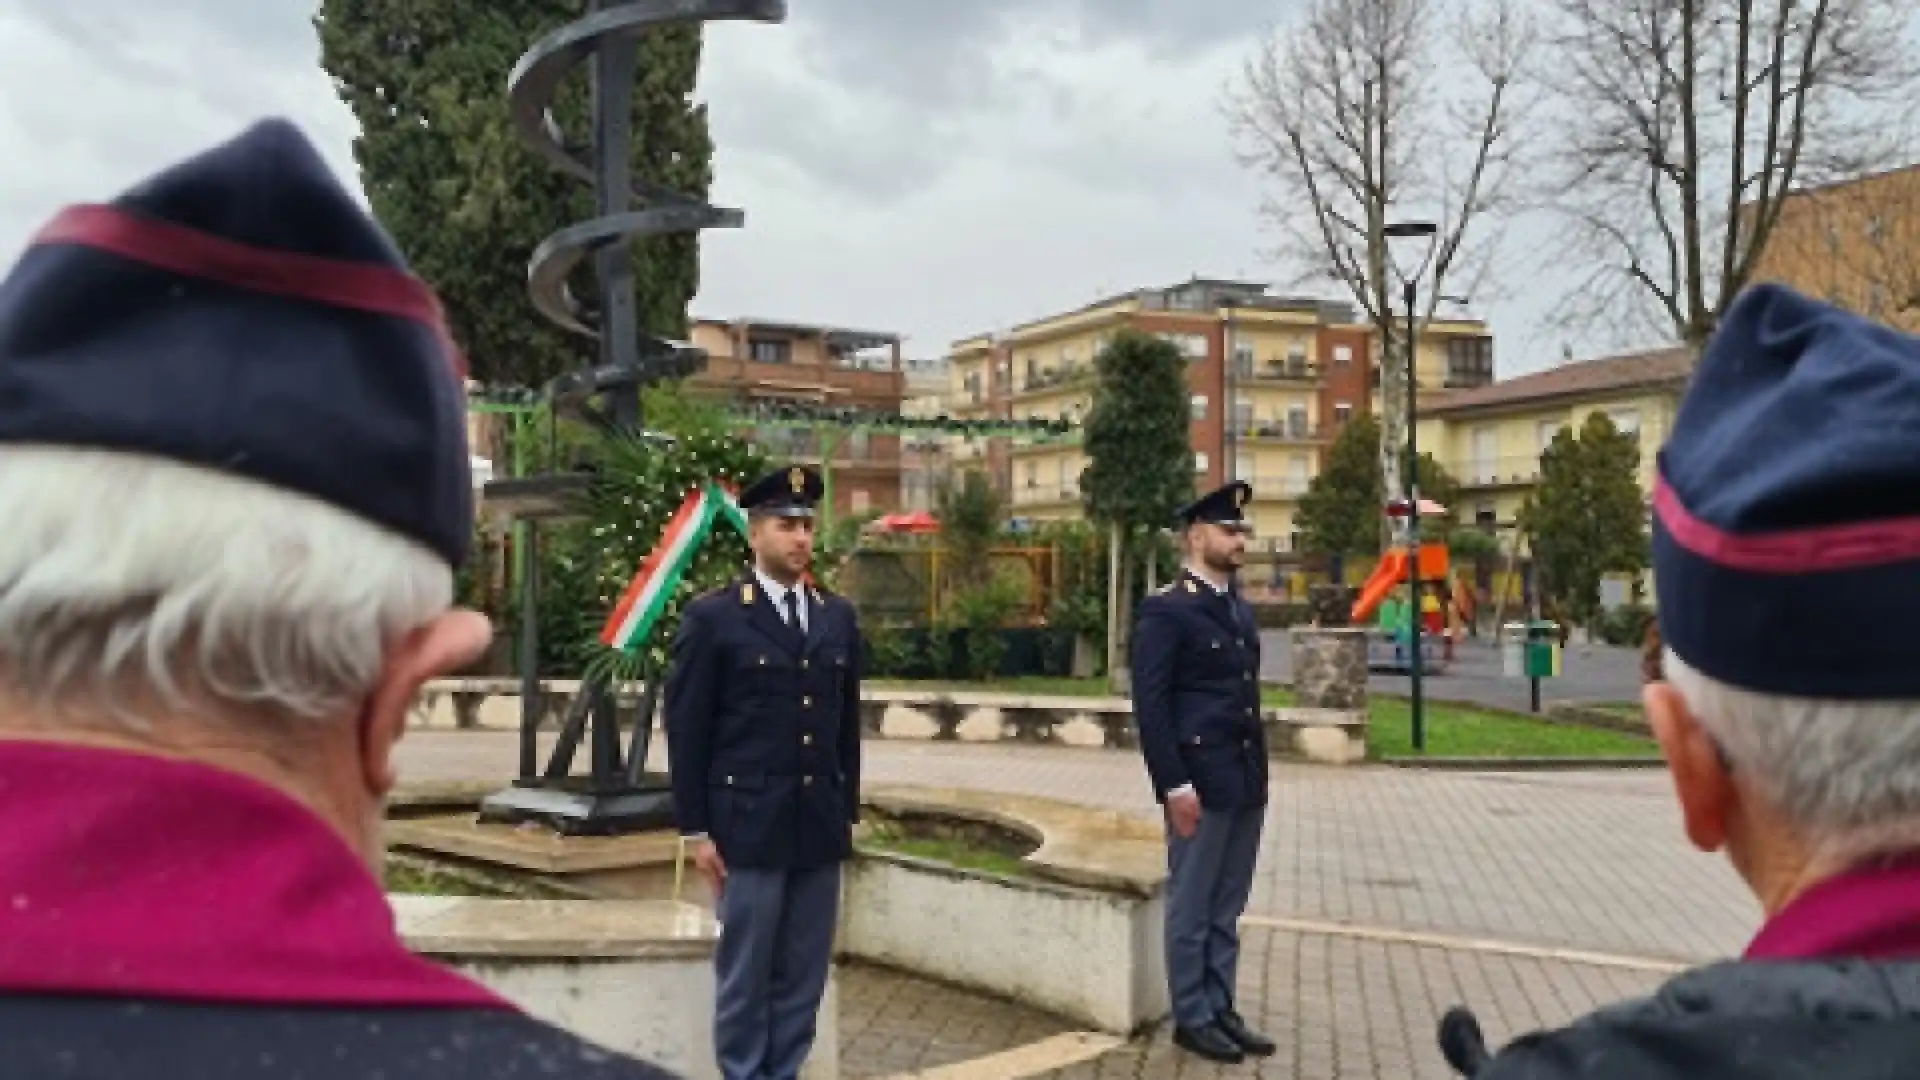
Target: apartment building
766, 362
1490, 438
1855, 244
1271, 381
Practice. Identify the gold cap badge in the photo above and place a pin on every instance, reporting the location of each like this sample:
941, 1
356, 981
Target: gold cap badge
798, 478
1239, 497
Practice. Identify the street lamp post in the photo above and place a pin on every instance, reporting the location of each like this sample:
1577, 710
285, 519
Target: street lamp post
1410, 475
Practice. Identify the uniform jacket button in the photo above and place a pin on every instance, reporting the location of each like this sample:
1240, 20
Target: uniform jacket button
806, 702
806, 740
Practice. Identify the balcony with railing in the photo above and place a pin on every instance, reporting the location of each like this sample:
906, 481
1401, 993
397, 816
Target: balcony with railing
806, 382
1516, 470
1276, 488
1293, 429
1293, 368
1054, 380
1031, 494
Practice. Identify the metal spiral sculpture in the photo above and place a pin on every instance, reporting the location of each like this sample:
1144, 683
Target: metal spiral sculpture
619, 795
607, 38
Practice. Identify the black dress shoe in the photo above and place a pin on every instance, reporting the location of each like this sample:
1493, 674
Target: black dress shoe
1210, 1043
1246, 1038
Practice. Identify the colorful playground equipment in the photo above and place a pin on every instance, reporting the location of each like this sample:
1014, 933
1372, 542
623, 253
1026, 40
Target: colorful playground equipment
1389, 648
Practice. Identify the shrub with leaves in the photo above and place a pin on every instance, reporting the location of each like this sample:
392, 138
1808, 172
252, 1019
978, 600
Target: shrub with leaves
638, 483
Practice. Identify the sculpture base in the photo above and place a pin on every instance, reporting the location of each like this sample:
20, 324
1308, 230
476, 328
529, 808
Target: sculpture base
572, 807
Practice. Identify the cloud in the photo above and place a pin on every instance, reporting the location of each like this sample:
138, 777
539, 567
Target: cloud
92, 105
935, 167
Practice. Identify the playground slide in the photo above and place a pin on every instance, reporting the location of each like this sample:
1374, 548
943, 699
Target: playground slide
1391, 571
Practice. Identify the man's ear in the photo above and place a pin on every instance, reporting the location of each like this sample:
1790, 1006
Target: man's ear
441, 647
1702, 778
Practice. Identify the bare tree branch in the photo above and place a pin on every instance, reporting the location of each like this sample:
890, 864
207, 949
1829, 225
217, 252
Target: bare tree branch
1683, 127
1337, 112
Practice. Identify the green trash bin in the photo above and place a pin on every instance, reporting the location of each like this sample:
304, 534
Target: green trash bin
1543, 654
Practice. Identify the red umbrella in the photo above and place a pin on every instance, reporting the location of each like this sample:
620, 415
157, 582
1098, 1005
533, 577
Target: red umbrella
1428, 508
917, 521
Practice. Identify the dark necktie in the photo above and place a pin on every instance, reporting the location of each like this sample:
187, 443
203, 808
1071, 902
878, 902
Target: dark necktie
793, 615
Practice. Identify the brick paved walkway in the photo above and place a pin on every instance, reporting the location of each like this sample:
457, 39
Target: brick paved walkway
1587, 861
892, 1024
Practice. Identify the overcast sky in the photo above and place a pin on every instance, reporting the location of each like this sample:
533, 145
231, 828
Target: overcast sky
932, 167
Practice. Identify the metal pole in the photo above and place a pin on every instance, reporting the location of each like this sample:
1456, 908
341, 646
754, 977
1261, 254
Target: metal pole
1410, 293
531, 702
1232, 437
827, 438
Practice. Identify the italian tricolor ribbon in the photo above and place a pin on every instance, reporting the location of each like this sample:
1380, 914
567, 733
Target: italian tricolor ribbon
663, 568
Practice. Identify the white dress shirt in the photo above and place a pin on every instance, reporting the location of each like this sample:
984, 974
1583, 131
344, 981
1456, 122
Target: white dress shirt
777, 593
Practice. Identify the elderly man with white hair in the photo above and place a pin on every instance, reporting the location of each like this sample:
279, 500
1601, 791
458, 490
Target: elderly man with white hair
234, 489
1787, 703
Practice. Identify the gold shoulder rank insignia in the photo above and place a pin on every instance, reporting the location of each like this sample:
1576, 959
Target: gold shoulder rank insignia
1190, 586
746, 595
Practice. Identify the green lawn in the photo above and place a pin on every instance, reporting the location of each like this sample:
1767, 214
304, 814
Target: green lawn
944, 850
1461, 731
1451, 730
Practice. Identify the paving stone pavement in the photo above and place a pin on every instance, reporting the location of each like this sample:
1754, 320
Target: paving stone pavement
1591, 861
893, 1024
1591, 672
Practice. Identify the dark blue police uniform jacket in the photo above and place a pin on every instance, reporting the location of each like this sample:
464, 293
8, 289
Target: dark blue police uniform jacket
1196, 695
763, 733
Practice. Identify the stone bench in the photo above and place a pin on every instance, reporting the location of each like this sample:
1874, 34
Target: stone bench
986, 716
493, 701
1320, 734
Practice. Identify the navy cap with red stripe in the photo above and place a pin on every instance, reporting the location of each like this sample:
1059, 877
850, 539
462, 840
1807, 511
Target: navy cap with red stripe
1786, 531
240, 311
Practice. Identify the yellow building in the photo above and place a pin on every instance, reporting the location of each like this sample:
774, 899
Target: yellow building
1490, 438
1855, 244
1271, 382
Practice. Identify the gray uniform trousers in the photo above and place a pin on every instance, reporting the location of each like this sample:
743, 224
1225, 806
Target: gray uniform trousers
1209, 877
776, 948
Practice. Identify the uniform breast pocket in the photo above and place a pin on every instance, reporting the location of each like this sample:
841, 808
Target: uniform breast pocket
760, 667
1214, 654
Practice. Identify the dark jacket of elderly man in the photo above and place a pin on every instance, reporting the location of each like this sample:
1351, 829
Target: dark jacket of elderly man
1786, 529
234, 490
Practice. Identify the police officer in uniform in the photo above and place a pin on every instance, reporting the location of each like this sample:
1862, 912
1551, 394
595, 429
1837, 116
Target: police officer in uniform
763, 734
1196, 701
